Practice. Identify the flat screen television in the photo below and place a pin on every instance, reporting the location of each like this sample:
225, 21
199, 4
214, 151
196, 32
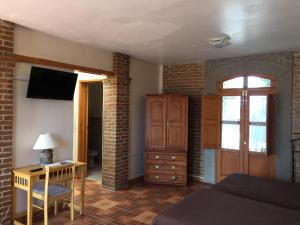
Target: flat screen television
51, 84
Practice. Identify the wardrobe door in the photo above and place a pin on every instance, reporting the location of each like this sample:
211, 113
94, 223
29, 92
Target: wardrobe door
177, 122
210, 122
156, 122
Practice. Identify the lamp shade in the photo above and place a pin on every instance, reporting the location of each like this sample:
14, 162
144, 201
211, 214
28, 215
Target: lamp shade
45, 141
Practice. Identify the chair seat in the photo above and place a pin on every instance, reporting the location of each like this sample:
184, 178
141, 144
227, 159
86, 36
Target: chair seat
53, 189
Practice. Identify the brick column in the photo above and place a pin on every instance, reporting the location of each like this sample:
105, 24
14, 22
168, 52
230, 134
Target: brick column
296, 112
6, 116
116, 125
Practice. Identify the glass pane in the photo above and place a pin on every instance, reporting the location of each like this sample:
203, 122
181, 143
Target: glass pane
237, 82
258, 82
258, 139
258, 109
231, 136
231, 108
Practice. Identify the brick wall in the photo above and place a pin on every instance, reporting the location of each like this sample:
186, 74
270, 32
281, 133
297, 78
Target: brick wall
297, 167
6, 116
188, 79
116, 124
296, 112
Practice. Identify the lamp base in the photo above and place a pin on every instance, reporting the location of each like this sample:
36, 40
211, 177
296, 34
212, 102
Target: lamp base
46, 156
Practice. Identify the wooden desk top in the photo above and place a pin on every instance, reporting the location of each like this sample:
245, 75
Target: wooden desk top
26, 170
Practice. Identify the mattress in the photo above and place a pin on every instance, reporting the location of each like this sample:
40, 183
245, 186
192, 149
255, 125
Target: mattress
280, 193
212, 207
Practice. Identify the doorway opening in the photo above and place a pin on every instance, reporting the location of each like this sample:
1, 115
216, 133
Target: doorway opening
94, 146
90, 128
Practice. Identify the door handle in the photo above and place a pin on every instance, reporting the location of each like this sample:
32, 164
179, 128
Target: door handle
173, 178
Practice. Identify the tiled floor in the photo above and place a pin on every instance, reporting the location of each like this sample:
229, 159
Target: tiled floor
137, 205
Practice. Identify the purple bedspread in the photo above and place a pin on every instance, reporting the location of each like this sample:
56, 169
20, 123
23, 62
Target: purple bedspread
219, 207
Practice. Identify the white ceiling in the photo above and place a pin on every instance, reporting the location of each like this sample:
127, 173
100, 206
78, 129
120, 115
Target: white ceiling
165, 31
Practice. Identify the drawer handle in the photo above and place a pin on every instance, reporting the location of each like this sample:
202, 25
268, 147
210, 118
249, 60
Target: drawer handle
173, 178
156, 166
173, 167
156, 177
173, 157
157, 156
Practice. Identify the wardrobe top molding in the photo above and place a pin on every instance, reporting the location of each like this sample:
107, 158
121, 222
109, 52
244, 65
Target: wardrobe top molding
52, 63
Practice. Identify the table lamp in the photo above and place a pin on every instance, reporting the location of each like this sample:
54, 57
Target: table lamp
45, 143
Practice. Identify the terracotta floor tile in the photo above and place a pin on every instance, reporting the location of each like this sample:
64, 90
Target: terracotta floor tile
175, 199
105, 204
137, 205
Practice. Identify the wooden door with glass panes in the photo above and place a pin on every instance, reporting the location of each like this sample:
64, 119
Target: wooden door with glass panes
259, 134
230, 154
246, 126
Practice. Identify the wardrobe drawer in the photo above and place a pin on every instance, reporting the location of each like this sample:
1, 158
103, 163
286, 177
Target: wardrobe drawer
167, 162
158, 167
164, 178
166, 156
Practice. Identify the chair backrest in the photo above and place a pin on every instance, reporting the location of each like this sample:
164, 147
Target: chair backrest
62, 175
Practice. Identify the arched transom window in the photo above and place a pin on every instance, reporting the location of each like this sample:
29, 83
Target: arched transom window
247, 82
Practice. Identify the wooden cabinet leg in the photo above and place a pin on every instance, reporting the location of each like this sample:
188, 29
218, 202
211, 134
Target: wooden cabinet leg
46, 212
29, 203
55, 207
14, 203
72, 206
82, 191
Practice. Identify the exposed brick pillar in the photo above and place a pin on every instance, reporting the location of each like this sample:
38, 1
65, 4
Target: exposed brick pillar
116, 125
6, 116
296, 112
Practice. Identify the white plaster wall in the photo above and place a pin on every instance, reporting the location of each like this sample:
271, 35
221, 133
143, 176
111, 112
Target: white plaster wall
34, 116
36, 44
145, 80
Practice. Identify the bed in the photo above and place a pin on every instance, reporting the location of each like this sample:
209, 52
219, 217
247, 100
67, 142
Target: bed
237, 200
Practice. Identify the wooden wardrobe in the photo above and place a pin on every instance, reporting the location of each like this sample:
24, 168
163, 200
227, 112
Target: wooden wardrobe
166, 139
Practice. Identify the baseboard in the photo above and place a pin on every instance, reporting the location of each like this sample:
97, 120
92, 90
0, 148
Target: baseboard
195, 178
132, 181
124, 186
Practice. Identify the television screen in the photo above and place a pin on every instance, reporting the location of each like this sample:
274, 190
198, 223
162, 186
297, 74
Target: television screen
51, 84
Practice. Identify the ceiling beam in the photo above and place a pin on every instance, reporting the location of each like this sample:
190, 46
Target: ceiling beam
52, 63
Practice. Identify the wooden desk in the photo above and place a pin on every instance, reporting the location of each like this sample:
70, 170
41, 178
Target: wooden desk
24, 179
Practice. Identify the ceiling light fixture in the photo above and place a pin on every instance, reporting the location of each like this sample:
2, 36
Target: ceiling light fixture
220, 41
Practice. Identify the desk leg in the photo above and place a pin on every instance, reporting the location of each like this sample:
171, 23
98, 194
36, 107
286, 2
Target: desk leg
14, 203
29, 203
82, 191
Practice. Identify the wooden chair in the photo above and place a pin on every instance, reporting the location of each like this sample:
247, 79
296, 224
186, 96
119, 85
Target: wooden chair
58, 185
